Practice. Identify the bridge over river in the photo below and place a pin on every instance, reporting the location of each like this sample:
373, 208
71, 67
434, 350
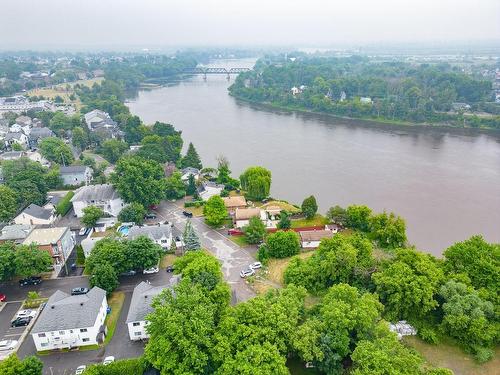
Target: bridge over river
215, 70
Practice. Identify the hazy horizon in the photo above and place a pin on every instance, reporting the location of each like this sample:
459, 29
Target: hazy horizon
156, 24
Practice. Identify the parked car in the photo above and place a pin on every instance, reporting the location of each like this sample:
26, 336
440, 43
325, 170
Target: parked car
187, 214
82, 231
7, 344
255, 266
150, 215
26, 313
3, 297
128, 273
80, 370
246, 273
21, 322
170, 268
151, 270
33, 280
79, 291
108, 360
234, 231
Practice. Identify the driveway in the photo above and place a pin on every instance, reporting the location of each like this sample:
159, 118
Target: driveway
233, 258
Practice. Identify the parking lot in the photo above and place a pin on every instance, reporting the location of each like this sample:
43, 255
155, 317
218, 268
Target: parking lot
7, 332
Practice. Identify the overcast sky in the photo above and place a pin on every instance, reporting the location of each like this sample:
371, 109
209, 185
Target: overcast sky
79, 24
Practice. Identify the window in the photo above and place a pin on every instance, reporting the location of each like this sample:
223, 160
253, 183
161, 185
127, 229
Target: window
83, 330
61, 333
86, 339
135, 324
41, 335
137, 333
44, 344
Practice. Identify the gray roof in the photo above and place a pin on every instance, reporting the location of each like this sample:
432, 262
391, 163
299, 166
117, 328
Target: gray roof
155, 232
38, 133
12, 154
190, 170
37, 211
64, 311
140, 304
10, 136
96, 193
72, 169
15, 232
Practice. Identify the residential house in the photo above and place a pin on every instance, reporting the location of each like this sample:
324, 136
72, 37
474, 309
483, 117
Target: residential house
76, 175
365, 100
12, 155
58, 242
103, 196
19, 137
88, 244
232, 203
161, 234
71, 321
141, 307
242, 216
311, 239
457, 107
102, 122
334, 228
37, 134
209, 189
295, 91
37, 156
24, 121
18, 128
16, 233
186, 172
35, 215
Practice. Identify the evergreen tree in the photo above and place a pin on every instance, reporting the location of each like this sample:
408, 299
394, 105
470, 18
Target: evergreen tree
192, 159
191, 187
309, 207
191, 240
284, 222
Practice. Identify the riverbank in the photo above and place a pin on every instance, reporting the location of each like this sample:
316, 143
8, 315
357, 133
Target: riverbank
368, 120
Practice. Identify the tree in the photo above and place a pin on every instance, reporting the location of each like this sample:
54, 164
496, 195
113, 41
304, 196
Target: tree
388, 231
337, 215
309, 207
142, 253
8, 203
7, 266
107, 250
29, 260
104, 276
134, 212
214, 211
192, 159
139, 180
113, 149
256, 181
283, 244
79, 138
174, 187
90, 216
191, 187
358, 217
55, 150
284, 222
255, 230
224, 174
16, 147
27, 179
408, 286
12, 365
190, 238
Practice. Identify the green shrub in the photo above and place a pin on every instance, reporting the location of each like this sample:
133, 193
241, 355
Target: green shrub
194, 204
64, 205
428, 335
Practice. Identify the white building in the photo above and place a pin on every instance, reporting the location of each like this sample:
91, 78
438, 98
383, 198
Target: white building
140, 307
209, 189
35, 215
76, 175
242, 216
365, 100
103, 196
71, 321
310, 239
186, 172
160, 234
17, 137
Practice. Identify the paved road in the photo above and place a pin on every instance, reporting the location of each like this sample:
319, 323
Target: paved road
233, 257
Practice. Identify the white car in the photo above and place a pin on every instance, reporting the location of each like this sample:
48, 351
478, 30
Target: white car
247, 273
80, 370
26, 313
7, 344
108, 360
82, 231
255, 266
151, 270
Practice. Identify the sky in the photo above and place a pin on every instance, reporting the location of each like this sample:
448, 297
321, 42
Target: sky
118, 24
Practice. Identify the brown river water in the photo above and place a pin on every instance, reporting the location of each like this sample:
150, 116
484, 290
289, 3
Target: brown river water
444, 182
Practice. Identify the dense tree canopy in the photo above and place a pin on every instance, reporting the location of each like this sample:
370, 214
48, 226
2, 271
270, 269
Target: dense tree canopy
29, 260
282, 244
104, 276
12, 365
134, 212
112, 149
192, 159
256, 181
309, 207
55, 150
388, 230
91, 214
214, 211
255, 230
190, 238
174, 186
8, 203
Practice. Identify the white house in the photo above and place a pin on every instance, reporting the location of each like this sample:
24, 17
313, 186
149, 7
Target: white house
103, 196
365, 100
209, 189
36, 156
186, 172
71, 321
35, 215
18, 137
76, 175
101, 121
140, 307
242, 216
310, 239
161, 234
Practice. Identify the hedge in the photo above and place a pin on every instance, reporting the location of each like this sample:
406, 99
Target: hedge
194, 204
64, 205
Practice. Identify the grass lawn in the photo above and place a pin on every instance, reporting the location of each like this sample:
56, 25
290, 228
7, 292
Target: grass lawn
317, 220
115, 301
445, 354
196, 211
80, 256
167, 260
239, 240
276, 267
110, 232
283, 205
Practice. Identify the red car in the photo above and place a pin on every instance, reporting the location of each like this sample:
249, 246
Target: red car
233, 232
3, 297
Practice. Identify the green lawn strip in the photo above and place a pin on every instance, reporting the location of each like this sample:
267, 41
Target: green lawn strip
80, 256
115, 301
317, 220
239, 240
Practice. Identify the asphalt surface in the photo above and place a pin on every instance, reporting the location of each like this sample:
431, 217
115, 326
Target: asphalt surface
6, 331
233, 257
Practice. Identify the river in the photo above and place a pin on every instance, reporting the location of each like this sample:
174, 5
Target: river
444, 182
